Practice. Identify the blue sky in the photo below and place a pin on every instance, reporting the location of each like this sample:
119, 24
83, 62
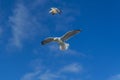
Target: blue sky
93, 54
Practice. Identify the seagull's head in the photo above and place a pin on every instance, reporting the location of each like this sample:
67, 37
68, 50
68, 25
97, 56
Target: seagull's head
56, 38
52, 7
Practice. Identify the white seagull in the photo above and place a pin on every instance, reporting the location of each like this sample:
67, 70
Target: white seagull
55, 11
61, 40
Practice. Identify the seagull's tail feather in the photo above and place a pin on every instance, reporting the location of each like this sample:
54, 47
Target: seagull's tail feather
64, 46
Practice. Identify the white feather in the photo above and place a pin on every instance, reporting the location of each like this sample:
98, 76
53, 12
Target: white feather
64, 46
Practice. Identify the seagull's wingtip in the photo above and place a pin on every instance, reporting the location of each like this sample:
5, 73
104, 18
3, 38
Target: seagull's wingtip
42, 43
79, 30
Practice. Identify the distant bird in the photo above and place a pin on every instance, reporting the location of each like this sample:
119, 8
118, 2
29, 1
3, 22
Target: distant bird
54, 11
61, 40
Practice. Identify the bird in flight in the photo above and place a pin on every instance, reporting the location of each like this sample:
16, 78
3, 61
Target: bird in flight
54, 11
61, 40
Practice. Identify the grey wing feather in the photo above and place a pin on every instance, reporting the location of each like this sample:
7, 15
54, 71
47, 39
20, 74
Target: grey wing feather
69, 34
47, 40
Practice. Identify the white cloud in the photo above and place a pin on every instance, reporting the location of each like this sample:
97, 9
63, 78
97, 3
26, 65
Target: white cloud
24, 26
47, 74
18, 24
30, 76
73, 68
115, 77
38, 75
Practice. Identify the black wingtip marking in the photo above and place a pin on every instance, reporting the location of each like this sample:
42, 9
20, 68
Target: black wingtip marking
79, 30
42, 43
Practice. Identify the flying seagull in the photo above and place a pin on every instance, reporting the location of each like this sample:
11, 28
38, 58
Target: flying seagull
61, 40
54, 11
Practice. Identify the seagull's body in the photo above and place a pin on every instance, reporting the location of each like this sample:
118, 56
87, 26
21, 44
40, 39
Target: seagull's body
54, 11
61, 40
63, 45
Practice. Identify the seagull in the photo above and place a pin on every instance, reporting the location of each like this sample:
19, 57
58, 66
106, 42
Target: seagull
61, 40
54, 11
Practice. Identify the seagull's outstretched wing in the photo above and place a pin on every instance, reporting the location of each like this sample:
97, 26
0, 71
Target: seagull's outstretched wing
59, 11
69, 34
47, 40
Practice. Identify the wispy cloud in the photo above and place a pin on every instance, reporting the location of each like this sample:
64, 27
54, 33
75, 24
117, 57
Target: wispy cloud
19, 22
115, 77
74, 68
24, 26
31, 76
47, 74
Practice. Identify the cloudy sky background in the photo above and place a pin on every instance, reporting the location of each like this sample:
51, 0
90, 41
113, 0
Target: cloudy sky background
93, 54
